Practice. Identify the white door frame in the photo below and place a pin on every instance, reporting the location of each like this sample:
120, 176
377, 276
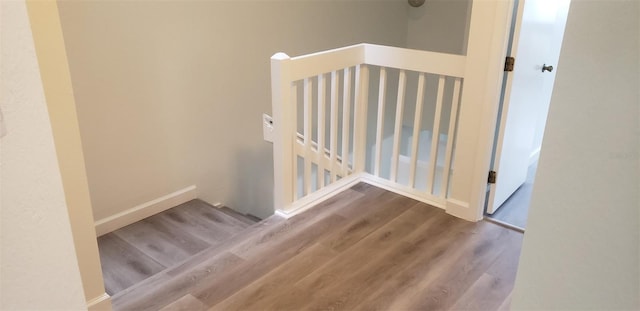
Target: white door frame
56, 82
487, 48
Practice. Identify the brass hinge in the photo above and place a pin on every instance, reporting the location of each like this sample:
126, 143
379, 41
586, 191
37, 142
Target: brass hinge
492, 177
508, 63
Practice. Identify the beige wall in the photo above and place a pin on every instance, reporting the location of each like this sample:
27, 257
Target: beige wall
38, 265
439, 26
170, 94
582, 246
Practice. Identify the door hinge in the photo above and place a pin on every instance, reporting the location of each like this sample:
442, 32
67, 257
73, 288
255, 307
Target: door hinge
492, 177
508, 63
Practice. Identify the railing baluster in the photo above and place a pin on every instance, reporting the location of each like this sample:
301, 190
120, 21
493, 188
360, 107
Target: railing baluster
381, 100
434, 135
446, 170
346, 118
307, 135
360, 118
294, 114
321, 130
398, 126
417, 123
335, 82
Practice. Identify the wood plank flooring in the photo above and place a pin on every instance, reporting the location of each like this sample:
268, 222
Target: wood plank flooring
136, 252
364, 249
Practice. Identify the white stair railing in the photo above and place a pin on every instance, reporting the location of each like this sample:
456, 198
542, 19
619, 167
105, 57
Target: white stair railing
320, 108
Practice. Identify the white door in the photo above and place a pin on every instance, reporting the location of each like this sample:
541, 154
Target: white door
537, 38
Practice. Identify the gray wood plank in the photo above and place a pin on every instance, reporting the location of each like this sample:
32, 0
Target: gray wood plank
214, 216
446, 255
249, 235
278, 281
264, 240
260, 263
346, 280
186, 303
163, 288
375, 215
441, 288
493, 288
188, 220
364, 249
166, 244
123, 265
249, 220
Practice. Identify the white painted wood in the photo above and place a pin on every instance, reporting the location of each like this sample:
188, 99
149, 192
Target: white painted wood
302, 151
100, 303
435, 135
398, 125
455, 102
321, 129
403, 190
380, 124
537, 40
282, 107
144, 210
338, 164
335, 82
415, 60
417, 124
317, 63
329, 191
319, 196
477, 113
360, 117
346, 119
308, 134
294, 159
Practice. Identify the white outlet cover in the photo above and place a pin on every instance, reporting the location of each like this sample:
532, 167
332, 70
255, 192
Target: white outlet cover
267, 127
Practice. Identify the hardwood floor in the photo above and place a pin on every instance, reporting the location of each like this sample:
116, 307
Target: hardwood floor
138, 251
365, 249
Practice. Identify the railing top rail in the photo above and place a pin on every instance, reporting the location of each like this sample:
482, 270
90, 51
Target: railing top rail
310, 65
415, 60
379, 55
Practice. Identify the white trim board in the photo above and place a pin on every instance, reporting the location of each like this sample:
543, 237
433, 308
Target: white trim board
144, 210
102, 302
319, 196
534, 156
348, 182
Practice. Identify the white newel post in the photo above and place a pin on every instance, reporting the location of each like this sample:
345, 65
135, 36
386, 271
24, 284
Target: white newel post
281, 102
490, 20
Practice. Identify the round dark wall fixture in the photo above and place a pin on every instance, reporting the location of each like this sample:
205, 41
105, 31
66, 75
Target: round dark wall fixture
416, 3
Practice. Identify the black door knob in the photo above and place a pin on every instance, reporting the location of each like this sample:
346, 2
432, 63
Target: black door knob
547, 68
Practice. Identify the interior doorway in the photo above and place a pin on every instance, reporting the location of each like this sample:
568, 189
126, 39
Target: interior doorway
535, 40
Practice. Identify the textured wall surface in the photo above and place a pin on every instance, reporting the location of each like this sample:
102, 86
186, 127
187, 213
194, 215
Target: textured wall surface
171, 94
582, 246
38, 266
439, 26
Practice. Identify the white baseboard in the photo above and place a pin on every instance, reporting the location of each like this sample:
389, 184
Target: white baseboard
534, 156
100, 303
401, 190
329, 191
462, 210
142, 211
319, 196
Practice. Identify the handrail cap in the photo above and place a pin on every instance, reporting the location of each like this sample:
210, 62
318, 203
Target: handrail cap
280, 56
